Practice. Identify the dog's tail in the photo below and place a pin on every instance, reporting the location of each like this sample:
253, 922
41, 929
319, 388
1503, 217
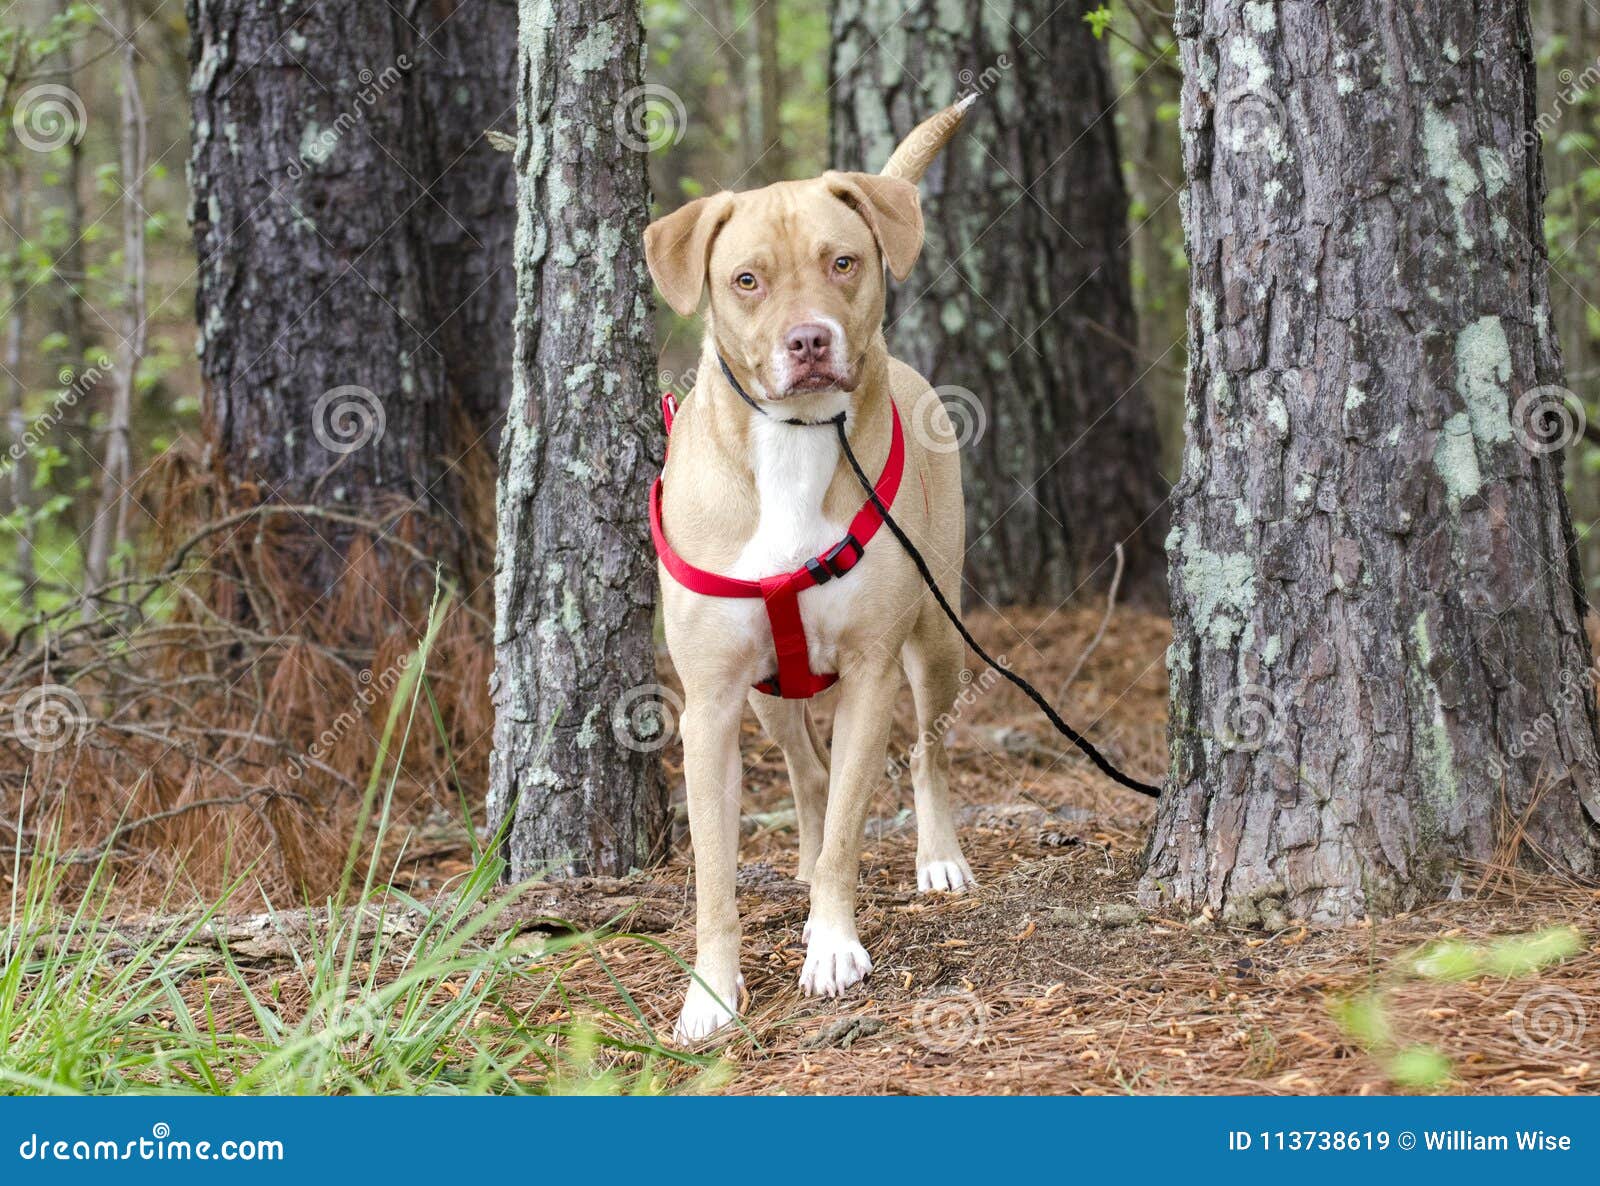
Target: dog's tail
927, 140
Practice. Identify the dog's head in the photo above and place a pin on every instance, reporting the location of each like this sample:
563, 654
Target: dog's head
795, 272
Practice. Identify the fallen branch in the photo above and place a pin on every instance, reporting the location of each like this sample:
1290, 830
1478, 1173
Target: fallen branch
583, 904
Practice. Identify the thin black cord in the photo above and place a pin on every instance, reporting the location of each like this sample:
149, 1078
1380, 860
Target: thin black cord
1101, 762
1083, 743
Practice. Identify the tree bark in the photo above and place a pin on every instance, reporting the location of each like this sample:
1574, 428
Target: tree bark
474, 292
774, 158
352, 225
1379, 669
1020, 310
575, 579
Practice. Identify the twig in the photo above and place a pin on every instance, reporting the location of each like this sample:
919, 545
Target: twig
1105, 619
94, 856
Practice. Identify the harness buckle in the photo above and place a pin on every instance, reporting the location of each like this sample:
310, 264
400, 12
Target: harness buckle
832, 561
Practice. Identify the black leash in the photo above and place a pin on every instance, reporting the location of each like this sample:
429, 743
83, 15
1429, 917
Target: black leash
1101, 762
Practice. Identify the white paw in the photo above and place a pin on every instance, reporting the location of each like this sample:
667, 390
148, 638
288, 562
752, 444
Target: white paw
945, 877
703, 1015
834, 961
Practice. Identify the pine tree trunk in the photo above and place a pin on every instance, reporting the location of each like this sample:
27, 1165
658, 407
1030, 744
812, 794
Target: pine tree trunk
1379, 669
1020, 310
774, 159
352, 226
575, 577
474, 283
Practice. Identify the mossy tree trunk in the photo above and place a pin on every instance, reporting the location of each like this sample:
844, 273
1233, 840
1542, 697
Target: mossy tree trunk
575, 577
353, 228
1022, 296
1379, 669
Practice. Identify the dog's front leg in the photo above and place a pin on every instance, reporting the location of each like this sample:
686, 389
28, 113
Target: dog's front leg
835, 958
710, 729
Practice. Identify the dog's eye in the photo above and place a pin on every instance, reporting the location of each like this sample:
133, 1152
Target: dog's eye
747, 281
844, 265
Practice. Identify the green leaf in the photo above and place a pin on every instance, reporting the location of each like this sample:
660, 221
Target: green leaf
1520, 955
1098, 20
1450, 960
1365, 1018
1421, 1068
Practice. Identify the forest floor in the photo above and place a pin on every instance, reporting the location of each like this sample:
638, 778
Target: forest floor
1049, 978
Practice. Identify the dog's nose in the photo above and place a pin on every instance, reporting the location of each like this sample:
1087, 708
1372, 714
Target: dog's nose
809, 342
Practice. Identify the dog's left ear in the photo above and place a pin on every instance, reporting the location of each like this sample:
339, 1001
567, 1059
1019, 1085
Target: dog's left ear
892, 208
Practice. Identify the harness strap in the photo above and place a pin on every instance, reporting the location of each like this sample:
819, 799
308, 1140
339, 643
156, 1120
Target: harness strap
780, 594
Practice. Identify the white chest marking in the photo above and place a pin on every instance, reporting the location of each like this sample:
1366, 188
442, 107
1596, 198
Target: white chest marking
793, 470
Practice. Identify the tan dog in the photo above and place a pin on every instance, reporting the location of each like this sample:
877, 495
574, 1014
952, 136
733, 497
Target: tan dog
796, 279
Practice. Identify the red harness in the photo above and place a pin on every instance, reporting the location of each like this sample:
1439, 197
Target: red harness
794, 679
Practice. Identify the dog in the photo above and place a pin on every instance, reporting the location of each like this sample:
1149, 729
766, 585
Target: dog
755, 485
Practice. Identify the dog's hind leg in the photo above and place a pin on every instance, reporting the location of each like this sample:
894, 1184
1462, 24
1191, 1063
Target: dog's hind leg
933, 656
789, 724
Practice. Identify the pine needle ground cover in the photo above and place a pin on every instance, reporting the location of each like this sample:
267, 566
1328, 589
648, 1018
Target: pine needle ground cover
421, 973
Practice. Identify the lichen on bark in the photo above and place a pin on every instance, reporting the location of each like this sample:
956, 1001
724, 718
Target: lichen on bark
1353, 487
574, 576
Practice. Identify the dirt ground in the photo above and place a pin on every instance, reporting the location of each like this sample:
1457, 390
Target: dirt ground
1049, 979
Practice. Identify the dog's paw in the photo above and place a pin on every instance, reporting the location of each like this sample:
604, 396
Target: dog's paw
703, 1014
945, 877
834, 962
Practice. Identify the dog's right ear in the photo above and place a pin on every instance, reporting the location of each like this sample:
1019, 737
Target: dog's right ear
678, 247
